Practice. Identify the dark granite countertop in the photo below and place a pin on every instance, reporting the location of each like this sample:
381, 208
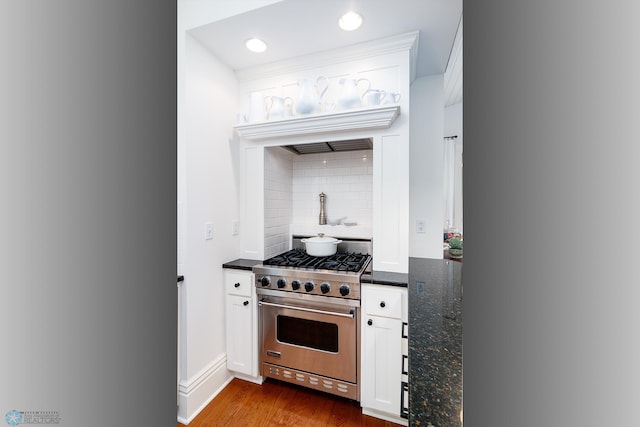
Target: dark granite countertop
435, 342
241, 264
386, 278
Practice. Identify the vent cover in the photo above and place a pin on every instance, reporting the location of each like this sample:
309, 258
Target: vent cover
331, 146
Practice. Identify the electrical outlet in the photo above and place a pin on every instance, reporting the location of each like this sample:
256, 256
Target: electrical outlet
235, 227
421, 226
208, 231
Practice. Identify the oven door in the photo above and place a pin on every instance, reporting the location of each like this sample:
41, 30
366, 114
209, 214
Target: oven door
309, 336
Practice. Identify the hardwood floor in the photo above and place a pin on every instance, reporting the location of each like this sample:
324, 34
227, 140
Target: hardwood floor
276, 403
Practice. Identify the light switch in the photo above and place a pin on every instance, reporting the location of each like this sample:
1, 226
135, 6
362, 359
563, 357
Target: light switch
208, 231
235, 227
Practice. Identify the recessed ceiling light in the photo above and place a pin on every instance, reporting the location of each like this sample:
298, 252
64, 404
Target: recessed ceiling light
256, 45
350, 21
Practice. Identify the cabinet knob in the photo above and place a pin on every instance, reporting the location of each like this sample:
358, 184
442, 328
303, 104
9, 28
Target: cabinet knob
237, 285
382, 304
245, 303
369, 322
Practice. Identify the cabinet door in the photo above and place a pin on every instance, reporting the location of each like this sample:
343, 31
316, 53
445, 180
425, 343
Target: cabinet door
391, 203
381, 364
240, 348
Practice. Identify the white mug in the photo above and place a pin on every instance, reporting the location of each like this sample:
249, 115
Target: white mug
374, 96
391, 98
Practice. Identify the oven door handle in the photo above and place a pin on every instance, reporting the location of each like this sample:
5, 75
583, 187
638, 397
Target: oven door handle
310, 310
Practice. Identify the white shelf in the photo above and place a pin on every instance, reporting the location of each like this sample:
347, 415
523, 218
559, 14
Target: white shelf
378, 117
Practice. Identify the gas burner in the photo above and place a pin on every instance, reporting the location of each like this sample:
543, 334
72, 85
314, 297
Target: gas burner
288, 259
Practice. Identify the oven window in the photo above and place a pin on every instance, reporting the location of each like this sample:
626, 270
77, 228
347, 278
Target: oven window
308, 333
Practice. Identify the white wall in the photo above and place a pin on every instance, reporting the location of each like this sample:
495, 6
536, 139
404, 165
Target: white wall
210, 196
207, 191
426, 166
453, 120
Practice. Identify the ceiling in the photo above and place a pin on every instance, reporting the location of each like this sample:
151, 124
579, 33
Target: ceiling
293, 28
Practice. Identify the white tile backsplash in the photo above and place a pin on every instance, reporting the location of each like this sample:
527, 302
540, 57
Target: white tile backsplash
278, 184
293, 185
347, 180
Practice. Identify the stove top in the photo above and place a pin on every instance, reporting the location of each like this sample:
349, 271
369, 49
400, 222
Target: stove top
298, 272
348, 262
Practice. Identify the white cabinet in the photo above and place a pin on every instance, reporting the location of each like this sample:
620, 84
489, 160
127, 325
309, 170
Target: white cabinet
241, 323
383, 352
391, 203
252, 201
381, 364
239, 331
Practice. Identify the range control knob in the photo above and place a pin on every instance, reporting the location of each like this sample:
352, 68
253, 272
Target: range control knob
282, 283
344, 290
265, 281
295, 285
309, 286
325, 287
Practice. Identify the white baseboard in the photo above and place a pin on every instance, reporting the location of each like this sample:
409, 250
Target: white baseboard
198, 391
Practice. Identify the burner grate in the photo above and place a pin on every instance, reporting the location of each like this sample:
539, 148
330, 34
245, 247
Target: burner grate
298, 258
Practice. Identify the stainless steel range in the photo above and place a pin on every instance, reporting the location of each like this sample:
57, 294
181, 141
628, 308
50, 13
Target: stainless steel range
309, 317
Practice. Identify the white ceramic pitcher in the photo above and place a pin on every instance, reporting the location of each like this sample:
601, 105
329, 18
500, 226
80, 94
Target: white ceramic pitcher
276, 107
257, 107
310, 94
350, 96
